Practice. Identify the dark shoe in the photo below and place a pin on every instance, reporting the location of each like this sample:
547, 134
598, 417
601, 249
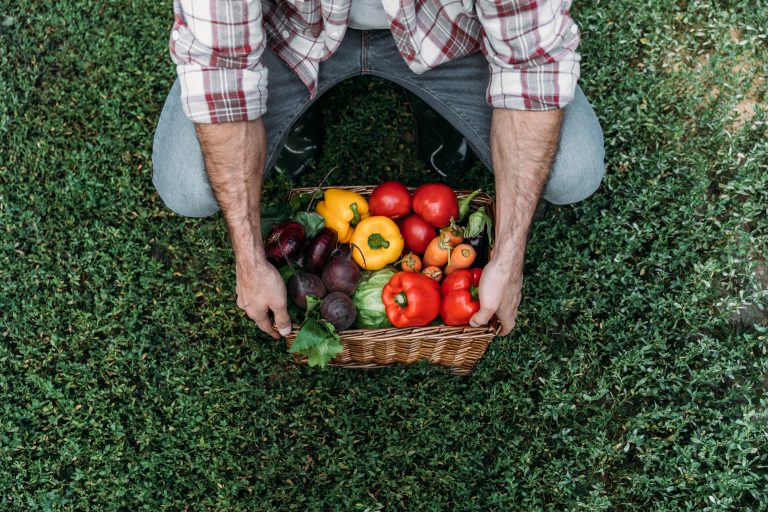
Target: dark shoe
443, 148
541, 210
304, 142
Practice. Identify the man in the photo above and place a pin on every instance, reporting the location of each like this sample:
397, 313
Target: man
503, 72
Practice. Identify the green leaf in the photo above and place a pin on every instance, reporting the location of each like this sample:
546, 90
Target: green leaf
313, 303
465, 203
287, 272
320, 354
313, 332
313, 222
318, 340
478, 221
272, 214
299, 202
295, 203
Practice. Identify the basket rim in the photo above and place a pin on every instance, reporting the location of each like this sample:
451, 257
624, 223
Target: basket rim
491, 328
483, 197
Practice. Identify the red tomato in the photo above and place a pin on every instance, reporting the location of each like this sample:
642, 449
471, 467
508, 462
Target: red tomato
390, 199
417, 233
436, 203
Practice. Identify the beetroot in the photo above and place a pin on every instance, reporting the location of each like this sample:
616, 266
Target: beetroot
338, 309
318, 250
301, 285
284, 242
341, 275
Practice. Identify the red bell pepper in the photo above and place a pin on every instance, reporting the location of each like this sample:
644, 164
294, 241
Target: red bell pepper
411, 299
459, 291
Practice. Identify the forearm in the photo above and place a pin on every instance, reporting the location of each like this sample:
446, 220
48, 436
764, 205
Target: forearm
234, 157
523, 146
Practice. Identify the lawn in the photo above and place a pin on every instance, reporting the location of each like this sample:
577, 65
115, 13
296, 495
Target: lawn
635, 379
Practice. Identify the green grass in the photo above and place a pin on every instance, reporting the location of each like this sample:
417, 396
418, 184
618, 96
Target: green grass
635, 380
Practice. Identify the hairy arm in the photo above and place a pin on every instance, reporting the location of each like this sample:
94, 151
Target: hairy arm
523, 146
217, 48
234, 157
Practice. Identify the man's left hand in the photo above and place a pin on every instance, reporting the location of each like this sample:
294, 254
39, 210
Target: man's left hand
523, 145
499, 293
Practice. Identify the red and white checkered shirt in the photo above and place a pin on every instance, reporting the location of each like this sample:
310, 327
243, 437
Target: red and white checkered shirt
217, 46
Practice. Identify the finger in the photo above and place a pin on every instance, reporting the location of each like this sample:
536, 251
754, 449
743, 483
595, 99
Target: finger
282, 320
265, 324
507, 320
507, 324
482, 317
517, 298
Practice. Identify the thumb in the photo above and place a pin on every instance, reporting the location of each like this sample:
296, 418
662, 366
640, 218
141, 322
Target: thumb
282, 321
482, 317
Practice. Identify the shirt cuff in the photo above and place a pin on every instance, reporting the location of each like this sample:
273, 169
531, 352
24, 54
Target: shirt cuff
222, 95
544, 87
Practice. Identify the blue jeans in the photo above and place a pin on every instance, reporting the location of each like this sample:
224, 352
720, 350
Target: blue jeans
456, 90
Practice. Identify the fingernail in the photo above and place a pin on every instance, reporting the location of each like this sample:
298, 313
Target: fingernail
285, 331
472, 323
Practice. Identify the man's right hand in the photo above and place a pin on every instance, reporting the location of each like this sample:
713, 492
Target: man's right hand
234, 158
261, 294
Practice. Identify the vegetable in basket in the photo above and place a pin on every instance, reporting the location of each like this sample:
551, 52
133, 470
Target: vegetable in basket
317, 338
438, 252
284, 242
462, 256
453, 233
319, 249
371, 313
342, 210
436, 203
338, 309
411, 299
376, 243
459, 296
410, 263
479, 234
341, 274
303, 284
417, 233
433, 272
466, 203
390, 199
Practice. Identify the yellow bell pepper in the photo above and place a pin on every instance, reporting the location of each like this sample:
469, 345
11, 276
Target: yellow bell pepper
342, 211
376, 242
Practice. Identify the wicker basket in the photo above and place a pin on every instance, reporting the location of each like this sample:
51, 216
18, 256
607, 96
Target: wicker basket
458, 348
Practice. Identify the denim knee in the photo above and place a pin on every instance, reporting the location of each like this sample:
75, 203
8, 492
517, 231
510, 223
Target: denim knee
189, 202
178, 169
578, 177
184, 191
579, 164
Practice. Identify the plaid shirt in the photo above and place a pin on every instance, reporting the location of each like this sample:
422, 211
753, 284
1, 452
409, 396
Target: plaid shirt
217, 46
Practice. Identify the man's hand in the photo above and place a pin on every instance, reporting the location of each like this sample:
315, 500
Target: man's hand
499, 293
523, 146
234, 159
261, 294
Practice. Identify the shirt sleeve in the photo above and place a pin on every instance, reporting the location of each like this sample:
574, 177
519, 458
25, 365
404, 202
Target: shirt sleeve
531, 48
217, 47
